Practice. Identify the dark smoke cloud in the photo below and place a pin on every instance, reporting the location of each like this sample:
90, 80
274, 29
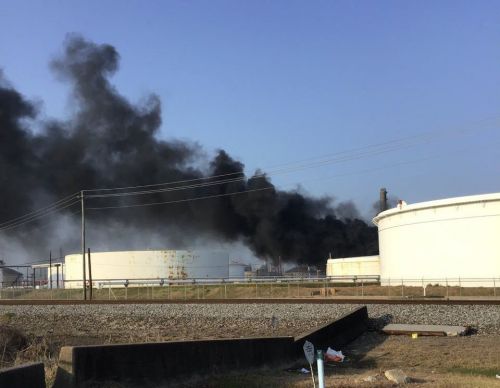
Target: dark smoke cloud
110, 142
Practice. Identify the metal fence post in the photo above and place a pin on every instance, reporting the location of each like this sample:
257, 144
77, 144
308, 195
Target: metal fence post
256, 290
494, 288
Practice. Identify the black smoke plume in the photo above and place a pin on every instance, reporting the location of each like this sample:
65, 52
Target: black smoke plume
110, 142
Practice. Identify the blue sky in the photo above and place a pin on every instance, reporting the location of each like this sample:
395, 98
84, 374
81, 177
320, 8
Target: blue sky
274, 82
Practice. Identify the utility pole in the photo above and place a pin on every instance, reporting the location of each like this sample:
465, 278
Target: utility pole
90, 275
50, 269
83, 246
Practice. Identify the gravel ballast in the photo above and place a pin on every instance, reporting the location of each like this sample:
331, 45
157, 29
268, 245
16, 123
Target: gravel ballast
148, 322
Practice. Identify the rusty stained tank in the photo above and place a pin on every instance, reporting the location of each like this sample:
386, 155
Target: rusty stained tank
149, 264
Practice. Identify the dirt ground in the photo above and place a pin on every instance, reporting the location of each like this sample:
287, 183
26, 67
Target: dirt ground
471, 361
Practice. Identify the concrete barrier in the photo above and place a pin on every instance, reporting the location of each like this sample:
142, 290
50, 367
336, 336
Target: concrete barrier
23, 376
336, 333
152, 363
148, 364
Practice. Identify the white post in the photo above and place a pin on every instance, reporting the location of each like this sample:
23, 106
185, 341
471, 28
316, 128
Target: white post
321, 371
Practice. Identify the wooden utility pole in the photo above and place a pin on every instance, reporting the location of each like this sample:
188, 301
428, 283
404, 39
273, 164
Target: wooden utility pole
50, 269
90, 275
83, 247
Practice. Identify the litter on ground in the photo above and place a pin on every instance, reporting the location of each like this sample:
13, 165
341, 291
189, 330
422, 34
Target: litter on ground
334, 356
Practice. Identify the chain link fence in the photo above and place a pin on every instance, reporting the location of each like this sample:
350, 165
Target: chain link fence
255, 288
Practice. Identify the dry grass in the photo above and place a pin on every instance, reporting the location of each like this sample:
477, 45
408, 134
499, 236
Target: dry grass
442, 362
18, 348
252, 290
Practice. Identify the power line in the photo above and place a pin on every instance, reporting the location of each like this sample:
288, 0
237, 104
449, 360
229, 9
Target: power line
370, 150
317, 163
36, 212
430, 136
180, 200
34, 218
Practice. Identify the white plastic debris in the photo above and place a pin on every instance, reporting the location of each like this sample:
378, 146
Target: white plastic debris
334, 356
304, 370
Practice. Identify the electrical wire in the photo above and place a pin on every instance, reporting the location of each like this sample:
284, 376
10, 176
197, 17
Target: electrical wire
318, 163
34, 218
422, 137
40, 211
180, 200
370, 150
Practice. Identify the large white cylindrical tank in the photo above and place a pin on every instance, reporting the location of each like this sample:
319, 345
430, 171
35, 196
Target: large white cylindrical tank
365, 266
236, 270
145, 265
445, 239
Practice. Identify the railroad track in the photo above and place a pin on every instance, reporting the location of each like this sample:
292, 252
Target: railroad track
365, 300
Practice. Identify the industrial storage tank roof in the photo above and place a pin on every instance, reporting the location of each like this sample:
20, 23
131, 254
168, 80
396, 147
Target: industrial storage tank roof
448, 241
399, 209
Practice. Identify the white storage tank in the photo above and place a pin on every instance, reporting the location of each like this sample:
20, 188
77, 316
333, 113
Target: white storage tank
447, 240
237, 270
363, 267
147, 265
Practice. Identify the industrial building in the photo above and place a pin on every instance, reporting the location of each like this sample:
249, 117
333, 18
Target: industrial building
9, 277
450, 241
137, 266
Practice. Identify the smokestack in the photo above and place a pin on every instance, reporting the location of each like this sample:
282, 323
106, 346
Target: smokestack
383, 199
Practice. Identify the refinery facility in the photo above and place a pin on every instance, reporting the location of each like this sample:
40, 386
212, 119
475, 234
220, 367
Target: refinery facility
444, 240
451, 241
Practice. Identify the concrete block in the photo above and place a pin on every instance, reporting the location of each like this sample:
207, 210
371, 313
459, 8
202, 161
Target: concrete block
151, 363
23, 376
66, 354
429, 330
337, 333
